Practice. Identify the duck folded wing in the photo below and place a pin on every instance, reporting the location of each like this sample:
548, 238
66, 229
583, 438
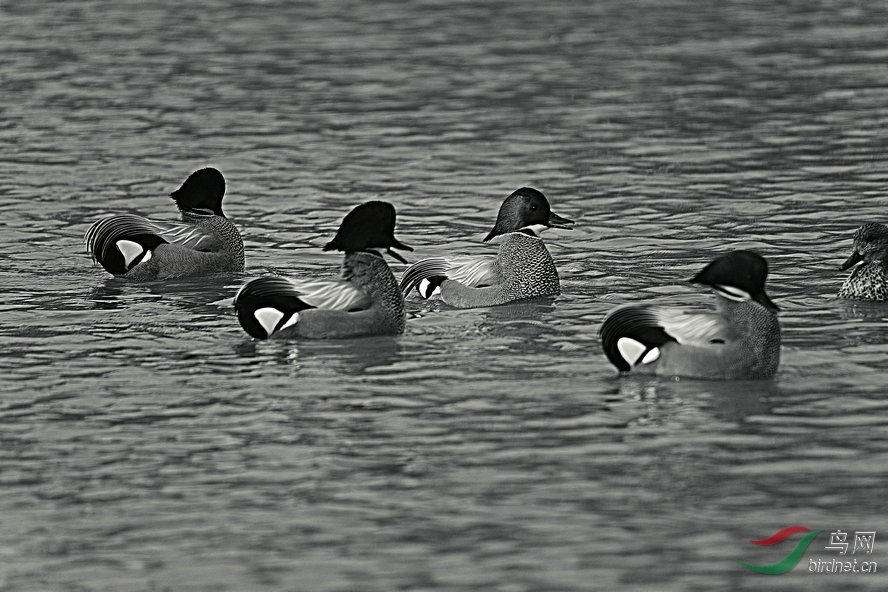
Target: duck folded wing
269, 304
474, 272
632, 335
121, 242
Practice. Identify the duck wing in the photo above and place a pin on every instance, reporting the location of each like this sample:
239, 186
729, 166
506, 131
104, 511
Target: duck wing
632, 335
426, 275
119, 243
268, 304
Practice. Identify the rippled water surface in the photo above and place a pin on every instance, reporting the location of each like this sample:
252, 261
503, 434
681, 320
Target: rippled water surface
146, 443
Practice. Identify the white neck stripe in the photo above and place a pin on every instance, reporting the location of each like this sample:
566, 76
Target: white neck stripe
733, 293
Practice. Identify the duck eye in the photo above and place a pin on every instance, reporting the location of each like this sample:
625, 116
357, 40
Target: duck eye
533, 207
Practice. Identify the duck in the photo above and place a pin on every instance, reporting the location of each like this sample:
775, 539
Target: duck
364, 301
869, 279
740, 340
204, 242
522, 267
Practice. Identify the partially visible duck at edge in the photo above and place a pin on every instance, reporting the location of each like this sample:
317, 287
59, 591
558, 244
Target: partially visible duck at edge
365, 300
741, 340
869, 279
204, 242
522, 268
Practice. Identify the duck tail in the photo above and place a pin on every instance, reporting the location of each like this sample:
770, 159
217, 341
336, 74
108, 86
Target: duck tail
119, 243
632, 335
425, 276
266, 305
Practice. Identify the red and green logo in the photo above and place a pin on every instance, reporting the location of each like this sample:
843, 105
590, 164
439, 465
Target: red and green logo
788, 562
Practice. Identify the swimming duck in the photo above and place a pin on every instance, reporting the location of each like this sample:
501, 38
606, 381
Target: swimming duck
869, 280
522, 268
365, 300
137, 248
739, 341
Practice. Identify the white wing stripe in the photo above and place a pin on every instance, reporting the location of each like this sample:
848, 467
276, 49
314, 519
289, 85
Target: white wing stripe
691, 328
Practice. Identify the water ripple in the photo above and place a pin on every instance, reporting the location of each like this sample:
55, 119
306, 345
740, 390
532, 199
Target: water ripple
149, 444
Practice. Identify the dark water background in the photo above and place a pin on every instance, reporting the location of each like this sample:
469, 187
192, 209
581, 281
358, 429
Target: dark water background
147, 444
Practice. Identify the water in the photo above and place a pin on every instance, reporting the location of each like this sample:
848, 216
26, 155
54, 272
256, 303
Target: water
148, 444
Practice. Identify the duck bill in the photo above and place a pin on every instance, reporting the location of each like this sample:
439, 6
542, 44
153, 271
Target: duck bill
765, 301
398, 245
851, 261
492, 234
556, 221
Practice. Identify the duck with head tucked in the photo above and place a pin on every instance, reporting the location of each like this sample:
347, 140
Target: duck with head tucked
740, 340
522, 268
365, 300
204, 242
869, 279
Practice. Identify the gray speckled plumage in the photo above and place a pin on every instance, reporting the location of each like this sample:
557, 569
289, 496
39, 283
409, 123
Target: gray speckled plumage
140, 249
738, 341
523, 267
527, 271
869, 279
385, 316
754, 353
365, 300
223, 252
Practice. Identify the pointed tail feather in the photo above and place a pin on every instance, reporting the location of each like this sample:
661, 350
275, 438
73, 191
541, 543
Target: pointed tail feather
434, 270
119, 243
632, 335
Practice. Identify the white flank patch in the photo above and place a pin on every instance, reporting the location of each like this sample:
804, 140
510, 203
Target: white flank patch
651, 356
733, 293
630, 349
424, 289
268, 317
293, 320
130, 250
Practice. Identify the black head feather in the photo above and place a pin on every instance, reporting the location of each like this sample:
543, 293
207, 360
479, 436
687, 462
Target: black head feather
369, 226
201, 192
526, 208
746, 270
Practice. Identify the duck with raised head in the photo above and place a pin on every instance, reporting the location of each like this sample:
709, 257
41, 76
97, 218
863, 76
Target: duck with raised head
522, 268
365, 300
204, 242
740, 340
869, 279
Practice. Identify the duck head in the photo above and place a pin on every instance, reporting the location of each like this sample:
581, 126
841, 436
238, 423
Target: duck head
201, 193
369, 226
739, 276
526, 210
870, 244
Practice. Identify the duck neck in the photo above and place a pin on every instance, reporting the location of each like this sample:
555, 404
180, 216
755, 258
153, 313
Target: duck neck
230, 243
369, 272
196, 216
743, 311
